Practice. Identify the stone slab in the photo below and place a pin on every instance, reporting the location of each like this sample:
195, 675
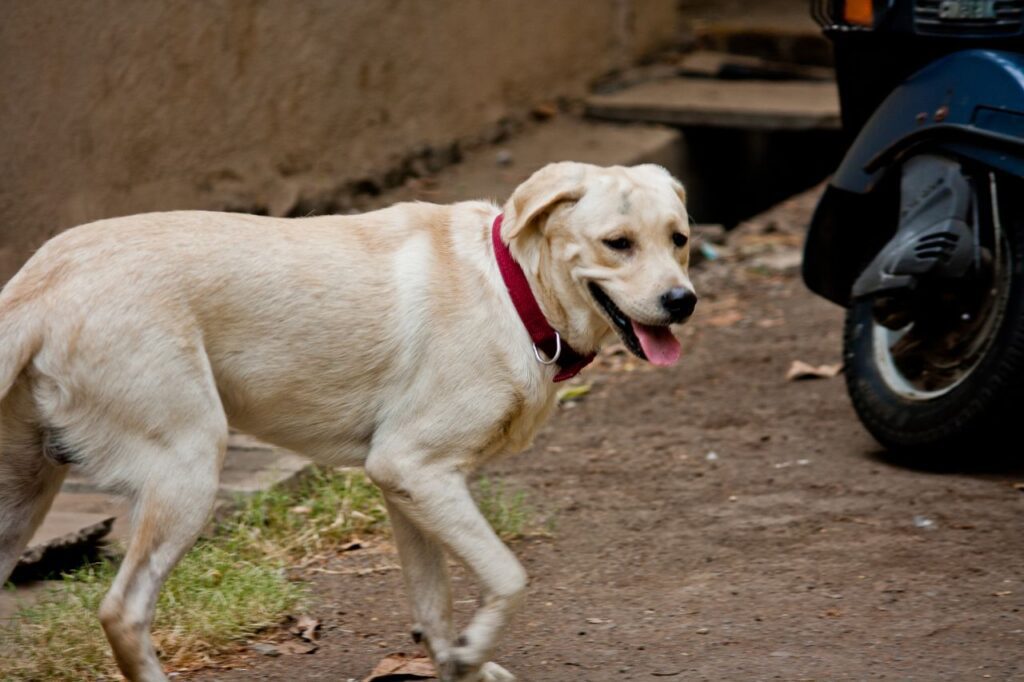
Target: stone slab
751, 104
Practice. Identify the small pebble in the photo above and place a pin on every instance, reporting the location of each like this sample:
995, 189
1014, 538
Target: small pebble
924, 522
265, 649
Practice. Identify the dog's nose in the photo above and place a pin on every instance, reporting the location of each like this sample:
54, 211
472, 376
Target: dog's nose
679, 302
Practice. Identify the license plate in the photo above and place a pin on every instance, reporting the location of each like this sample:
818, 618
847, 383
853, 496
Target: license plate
967, 9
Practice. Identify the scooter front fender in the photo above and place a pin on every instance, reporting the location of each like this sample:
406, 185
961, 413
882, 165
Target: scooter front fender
969, 105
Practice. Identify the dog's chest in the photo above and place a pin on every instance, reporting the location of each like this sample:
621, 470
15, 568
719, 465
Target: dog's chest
519, 425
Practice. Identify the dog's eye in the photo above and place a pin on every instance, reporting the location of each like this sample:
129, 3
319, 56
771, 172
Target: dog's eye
679, 239
620, 244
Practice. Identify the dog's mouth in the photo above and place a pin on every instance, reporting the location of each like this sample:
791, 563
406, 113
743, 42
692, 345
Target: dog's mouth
654, 343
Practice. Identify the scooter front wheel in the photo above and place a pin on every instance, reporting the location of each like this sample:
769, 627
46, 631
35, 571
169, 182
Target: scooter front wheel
952, 377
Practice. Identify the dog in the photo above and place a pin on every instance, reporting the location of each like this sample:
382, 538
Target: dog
416, 341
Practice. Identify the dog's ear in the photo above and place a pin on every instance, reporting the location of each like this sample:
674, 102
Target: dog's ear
551, 185
677, 186
680, 190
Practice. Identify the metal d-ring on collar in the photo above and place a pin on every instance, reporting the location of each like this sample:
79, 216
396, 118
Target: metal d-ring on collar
554, 358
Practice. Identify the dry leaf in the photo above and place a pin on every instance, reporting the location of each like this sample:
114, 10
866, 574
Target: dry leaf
724, 319
801, 370
617, 359
543, 112
570, 393
293, 646
400, 666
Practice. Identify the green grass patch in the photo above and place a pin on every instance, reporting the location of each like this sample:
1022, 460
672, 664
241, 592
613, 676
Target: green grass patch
211, 601
508, 511
229, 587
325, 509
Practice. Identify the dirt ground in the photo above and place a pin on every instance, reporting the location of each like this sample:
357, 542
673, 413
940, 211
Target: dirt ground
716, 522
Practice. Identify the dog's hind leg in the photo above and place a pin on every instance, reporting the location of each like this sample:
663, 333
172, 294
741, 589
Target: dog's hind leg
28, 480
171, 508
168, 454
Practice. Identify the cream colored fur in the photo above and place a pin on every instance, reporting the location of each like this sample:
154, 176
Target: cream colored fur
385, 340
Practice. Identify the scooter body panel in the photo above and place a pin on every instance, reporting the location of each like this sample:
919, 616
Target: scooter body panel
968, 105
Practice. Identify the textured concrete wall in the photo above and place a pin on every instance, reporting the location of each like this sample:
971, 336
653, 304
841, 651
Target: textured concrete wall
110, 107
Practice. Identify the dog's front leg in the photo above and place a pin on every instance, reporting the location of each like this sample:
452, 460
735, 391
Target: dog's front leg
433, 496
425, 570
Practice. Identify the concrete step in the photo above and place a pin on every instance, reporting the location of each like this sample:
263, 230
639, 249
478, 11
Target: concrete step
251, 466
72, 531
493, 171
712, 64
748, 104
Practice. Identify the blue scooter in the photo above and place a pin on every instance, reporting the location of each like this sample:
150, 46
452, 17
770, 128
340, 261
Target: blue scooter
920, 232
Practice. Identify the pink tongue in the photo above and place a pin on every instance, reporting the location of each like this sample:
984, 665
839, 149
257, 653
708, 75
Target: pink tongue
660, 346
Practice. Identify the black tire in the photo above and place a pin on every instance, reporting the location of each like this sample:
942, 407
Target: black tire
975, 416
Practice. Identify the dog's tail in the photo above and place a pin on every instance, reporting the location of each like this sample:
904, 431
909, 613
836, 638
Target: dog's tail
20, 339
27, 482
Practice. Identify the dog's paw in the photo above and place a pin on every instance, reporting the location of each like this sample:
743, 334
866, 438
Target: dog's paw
453, 671
492, 672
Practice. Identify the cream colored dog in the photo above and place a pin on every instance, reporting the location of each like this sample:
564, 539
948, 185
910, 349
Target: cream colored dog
386, 340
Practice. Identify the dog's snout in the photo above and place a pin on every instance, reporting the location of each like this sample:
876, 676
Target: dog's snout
679, 302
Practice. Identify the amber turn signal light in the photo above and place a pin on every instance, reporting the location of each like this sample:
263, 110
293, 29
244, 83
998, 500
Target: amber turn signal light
859, 12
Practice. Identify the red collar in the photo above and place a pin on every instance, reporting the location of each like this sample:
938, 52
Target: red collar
543, 335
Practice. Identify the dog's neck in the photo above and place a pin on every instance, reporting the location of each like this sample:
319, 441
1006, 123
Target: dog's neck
560, 298
546, 337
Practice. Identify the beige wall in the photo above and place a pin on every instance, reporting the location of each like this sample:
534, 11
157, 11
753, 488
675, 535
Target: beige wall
109, 107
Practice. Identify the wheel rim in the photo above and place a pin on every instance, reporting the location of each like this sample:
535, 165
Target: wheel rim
924, 365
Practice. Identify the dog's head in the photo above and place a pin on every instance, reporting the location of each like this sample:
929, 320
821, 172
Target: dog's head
607, 249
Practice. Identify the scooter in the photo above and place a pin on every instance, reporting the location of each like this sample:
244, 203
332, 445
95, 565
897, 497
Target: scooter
920, 231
